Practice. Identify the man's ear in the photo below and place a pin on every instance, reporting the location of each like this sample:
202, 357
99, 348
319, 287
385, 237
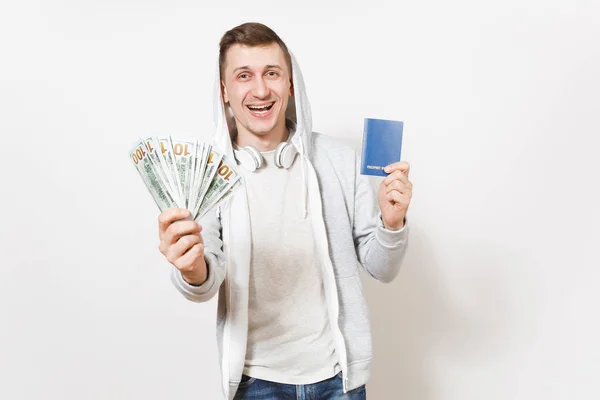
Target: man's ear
224, 92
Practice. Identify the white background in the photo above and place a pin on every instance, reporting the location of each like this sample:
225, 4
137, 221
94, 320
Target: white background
498, 296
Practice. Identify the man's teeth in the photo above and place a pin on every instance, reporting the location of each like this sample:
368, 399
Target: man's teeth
261, 108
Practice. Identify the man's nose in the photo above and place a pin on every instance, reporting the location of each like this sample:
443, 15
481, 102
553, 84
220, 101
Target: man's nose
260, 89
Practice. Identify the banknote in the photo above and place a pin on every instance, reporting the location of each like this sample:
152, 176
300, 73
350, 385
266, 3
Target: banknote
218, 199
149, 171
224, 180
199, 167
184, 173
212, 162
185, 161
153, 147
166, 148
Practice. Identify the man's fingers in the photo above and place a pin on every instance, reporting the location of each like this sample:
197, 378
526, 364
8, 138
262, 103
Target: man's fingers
397, 197
187, 262
181, 247
396, 175
398, 166
399, 187
178, 229
166, 218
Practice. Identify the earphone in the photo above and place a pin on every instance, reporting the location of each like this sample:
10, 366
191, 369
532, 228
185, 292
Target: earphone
251, 159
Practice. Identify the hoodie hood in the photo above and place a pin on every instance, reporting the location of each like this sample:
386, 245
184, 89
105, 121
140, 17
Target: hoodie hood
298, 111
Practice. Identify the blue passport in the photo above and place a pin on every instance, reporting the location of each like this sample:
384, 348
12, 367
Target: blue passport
382, 145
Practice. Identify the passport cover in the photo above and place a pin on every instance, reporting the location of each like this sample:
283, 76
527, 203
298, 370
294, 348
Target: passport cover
382, 145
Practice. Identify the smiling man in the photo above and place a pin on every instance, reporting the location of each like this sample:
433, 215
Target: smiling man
284, 253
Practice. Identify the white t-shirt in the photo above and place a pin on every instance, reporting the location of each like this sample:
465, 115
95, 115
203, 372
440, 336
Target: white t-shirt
289, 335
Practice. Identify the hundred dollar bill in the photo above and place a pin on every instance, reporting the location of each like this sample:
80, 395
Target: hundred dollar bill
213, 160
224, 180
140, 155
166, 149
193, 176
202, 150
185, 160
153, 146
205, 208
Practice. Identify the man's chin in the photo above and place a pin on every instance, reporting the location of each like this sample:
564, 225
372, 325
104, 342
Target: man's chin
261, 129
261, 132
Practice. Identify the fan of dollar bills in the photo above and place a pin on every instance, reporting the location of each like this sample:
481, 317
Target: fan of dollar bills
184, 174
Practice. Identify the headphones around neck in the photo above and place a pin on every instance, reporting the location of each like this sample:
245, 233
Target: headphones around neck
251, 159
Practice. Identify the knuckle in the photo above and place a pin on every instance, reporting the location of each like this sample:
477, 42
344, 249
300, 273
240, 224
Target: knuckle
175, 226
171, 257
179, 265
190, 240
184, 242
197, 240
184, 227
191, 226
191, 253
166, 239
165, 216
173, 229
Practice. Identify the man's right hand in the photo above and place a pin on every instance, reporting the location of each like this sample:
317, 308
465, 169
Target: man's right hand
181, 243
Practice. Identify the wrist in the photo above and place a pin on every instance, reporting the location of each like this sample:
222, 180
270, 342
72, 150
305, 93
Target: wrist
392, 227
198, 276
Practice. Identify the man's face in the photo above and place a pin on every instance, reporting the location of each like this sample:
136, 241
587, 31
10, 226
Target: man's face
257, 85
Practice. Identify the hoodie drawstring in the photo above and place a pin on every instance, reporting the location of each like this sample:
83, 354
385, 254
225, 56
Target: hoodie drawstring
304, 188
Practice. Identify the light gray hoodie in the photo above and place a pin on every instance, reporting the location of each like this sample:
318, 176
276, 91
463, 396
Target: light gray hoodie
348, 233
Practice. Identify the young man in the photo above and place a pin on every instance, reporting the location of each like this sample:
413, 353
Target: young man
284, 252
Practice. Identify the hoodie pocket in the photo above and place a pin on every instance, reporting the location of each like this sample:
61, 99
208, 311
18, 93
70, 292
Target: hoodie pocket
354, 319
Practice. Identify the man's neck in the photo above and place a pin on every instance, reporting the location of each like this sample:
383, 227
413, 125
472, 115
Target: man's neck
263, 143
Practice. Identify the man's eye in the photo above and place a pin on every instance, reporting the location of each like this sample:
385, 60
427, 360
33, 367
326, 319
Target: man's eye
243, 76
272, 73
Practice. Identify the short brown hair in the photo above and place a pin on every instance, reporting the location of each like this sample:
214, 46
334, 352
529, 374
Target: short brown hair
251, 34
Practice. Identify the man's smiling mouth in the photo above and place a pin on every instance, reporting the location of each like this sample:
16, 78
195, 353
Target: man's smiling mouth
260, 108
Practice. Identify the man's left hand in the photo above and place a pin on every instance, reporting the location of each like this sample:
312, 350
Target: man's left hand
395, 193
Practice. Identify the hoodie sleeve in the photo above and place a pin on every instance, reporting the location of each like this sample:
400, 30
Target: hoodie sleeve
215, 263
379, 250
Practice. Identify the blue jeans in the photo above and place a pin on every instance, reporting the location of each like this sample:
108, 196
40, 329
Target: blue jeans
330, 389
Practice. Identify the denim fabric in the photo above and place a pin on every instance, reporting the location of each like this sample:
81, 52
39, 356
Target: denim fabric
330, 389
